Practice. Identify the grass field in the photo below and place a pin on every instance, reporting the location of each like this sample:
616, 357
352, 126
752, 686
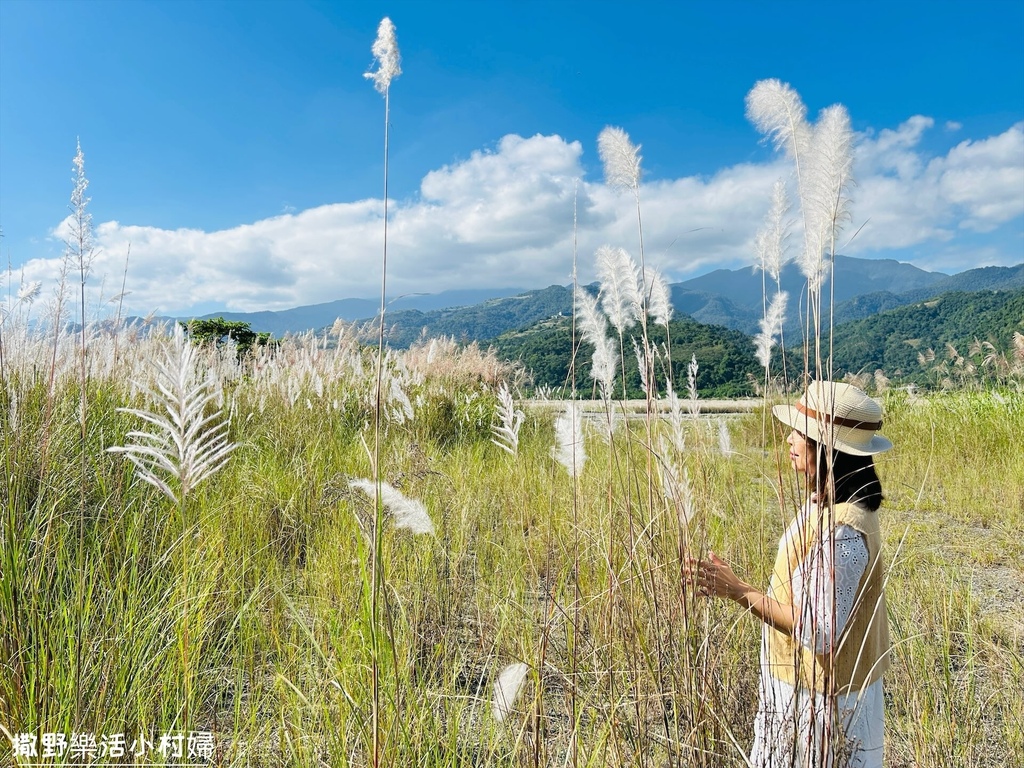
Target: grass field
244, 610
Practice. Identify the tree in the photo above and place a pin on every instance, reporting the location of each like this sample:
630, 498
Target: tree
217, 331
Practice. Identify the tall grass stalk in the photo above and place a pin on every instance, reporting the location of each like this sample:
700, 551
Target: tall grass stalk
386, 55
79, 252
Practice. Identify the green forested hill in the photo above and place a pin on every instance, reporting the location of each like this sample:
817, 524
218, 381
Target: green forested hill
893, 340
890, 341
726, 357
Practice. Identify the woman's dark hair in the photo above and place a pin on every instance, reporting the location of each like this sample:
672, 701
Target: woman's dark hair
855, 478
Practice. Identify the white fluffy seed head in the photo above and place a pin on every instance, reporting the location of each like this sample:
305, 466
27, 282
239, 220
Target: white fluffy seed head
405, 512
620, 289
659, 303
621, 158
506, 689
771, 240
771, 325
777, 111
385, 51
29, 292
568, 450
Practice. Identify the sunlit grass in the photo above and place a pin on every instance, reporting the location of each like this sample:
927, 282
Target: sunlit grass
624, 669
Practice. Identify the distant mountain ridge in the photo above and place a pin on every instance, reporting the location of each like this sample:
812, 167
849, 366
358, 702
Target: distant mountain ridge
735, 297
981, 279
728, 298
316, 316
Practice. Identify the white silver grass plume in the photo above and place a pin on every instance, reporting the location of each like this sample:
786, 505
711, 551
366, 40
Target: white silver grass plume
592, 324
641, 364
29, 292
569, 450
510, 421
405, 512
385, 51
81, 226
676, 432
771, 326
777, 111
691, 385
827, 177
659, 303
620, 291
603, 366
594, 329
506, 689
771, 239
621, 158
724, 438
401, 406
675, 484
184, 445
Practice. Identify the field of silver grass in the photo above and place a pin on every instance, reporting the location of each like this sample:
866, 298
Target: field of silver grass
528, 616
323, 554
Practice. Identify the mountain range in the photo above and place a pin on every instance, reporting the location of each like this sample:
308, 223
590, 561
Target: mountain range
729, 298
317, 316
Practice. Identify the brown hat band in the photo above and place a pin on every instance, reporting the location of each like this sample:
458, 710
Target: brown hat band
838, 421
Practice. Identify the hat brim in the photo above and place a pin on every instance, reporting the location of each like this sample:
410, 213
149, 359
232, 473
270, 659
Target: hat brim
791, 417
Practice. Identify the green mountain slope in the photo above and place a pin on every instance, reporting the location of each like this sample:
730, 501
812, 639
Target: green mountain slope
890, 341
726, 357
893, 340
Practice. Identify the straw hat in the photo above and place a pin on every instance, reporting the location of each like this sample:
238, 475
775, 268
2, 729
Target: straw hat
839, 415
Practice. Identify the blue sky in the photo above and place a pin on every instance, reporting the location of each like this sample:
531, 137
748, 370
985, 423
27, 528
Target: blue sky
238, 148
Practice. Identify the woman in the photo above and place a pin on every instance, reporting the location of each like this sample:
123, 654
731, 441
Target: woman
826, 636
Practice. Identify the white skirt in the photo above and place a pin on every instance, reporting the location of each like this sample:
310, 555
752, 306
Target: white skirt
796, 729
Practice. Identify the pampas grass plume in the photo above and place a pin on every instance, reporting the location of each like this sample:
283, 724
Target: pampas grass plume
691, 385
592, 324
621, 158
594, 329
506, 689
770, 242
620, 292
569, 450
406, 513
771, 325
641, 364
724, 438
183, 446
828, 177
385, 51
776, 111
659, 304
29, 292
506, 433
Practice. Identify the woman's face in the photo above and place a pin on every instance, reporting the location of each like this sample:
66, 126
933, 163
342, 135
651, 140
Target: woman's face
801, 455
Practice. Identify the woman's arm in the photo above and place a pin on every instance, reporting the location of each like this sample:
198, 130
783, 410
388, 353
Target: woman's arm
714, 578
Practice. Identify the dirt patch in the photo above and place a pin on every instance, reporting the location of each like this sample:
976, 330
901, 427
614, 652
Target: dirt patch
999, 590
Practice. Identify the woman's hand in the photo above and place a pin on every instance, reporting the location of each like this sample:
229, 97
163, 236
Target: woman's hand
714, 578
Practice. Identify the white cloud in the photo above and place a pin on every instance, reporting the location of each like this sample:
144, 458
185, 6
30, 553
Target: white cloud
908, 199
504, 217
